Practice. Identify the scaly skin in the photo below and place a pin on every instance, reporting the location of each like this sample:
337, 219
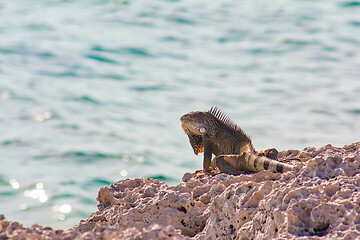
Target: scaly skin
212, 132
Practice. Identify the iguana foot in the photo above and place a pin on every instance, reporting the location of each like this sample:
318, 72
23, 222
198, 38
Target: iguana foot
269, 153
211, 171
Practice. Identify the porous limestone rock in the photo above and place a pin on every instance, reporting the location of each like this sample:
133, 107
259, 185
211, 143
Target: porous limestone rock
319, 200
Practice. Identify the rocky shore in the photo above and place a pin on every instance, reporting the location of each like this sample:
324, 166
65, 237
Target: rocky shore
320, 200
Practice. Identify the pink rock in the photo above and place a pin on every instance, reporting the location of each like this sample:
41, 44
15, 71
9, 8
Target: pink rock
320, 199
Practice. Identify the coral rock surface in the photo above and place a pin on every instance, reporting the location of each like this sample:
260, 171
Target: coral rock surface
319, 200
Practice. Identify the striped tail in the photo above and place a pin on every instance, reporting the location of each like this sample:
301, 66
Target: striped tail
256, 163
249, 162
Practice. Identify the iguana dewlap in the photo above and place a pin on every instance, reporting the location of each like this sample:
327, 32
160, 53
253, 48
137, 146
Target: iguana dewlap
212, 132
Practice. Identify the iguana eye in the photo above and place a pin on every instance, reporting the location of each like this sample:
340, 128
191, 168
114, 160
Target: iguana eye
202, 130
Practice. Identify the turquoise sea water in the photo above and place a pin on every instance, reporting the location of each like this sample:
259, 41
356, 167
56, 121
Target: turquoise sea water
91, 91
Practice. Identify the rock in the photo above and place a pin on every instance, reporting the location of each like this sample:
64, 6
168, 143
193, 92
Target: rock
320, 199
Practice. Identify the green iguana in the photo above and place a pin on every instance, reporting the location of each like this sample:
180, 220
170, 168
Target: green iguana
212, 132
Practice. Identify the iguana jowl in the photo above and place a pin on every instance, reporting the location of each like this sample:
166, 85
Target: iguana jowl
212, 132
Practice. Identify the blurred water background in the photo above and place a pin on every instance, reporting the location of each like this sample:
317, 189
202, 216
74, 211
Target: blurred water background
91, 91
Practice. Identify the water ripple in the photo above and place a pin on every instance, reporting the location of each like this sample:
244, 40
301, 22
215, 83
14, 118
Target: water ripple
86, 99
350, 4
354, 23
146, 88
141, 52
15, 142
81, 156
101, 58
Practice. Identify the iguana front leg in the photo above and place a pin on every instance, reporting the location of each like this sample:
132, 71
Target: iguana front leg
207, 154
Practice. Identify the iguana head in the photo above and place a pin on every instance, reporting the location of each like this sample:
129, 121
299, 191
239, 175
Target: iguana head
195, 122
198, 124
195, 125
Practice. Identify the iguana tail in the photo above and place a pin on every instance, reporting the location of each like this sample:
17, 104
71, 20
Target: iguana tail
258, 163
250, 162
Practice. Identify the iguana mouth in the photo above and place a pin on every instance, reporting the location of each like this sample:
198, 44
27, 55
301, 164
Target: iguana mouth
187, 126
